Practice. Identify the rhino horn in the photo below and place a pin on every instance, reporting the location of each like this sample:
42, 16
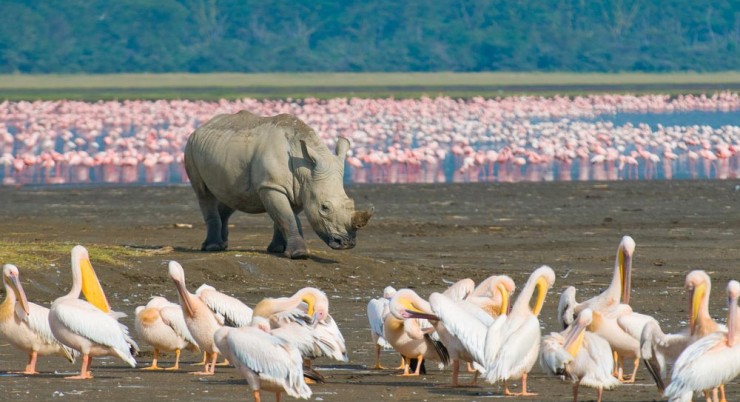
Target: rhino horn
360, 218
342, 147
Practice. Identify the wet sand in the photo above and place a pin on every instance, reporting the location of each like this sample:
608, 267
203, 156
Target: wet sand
422, 236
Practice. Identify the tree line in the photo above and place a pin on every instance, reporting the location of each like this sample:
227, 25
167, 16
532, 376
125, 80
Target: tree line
100, 36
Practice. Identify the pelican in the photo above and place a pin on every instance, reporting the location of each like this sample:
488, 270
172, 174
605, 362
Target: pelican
377, 310
200, 320
406, 334
460, 290
712, 360
267, 362
467, 331
235, 313
304, 320
520, 334
89, 327
580, 356
229, 311
26, 325
487, 295
658, 349
618, 291
161, 324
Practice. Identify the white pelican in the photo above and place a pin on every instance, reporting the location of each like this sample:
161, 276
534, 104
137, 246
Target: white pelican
658, 349
460, 290
161, 324
520, 334
26, 325
235, 313
90, 327
406, 334
200, 320
712, 360
465, 328
579, 356
377, 310
304, 320
487, 295
267, 362
617, 292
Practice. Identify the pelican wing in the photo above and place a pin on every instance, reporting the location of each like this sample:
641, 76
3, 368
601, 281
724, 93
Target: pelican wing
330, 340
633, 323
90, 322
38, 321
553, 358
519, 339
234, 312
274, 359
172, 316
465, 325
460, 289
375, 309
657, 349
597, 363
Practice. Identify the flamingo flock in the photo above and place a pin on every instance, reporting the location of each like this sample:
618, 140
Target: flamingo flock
273, 344
427, 140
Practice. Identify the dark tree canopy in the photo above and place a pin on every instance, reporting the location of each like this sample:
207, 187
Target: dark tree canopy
100, 36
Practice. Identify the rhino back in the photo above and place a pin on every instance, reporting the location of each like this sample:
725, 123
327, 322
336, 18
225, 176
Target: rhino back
235, 155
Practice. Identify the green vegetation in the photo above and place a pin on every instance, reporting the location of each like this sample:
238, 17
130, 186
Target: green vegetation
100, 36
35, 255
326, 85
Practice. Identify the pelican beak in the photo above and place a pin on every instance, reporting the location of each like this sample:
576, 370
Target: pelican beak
185, 298
574, 339
411, 311
310, 301
696, 294
625, 271
20, 294
505, 305
541, 293
91, 287
732, 320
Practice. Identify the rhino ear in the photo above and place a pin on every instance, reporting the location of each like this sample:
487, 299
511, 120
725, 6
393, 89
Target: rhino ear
342, 147
308, 154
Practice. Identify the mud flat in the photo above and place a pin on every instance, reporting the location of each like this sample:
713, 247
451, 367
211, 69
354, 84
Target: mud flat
422, 236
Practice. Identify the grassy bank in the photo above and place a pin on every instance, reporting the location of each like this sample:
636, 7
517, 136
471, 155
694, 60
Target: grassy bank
328, 85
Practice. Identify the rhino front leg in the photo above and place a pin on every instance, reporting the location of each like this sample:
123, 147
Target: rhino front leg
287, 237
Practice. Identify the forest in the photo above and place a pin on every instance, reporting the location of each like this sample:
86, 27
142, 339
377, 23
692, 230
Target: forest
100, 36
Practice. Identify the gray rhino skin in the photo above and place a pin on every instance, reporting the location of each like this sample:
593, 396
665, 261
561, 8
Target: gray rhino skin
244, 162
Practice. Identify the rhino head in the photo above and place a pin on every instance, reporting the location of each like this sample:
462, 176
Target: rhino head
331, 213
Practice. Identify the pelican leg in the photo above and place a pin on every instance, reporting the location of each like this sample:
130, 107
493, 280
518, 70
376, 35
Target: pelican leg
31, 366
224, 363
403, 363
707, 396
85, 373
177, 361
256, 395
154, 361
474, 382
615, 356
405, 367
634, 372
471, 369
208, 369
277, 396
418, 365
599, 394
202, 363
524, 388
377, 358
575, 391
455, 372
715, 397
722, 393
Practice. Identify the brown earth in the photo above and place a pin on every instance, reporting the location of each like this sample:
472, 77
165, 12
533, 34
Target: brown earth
422, 236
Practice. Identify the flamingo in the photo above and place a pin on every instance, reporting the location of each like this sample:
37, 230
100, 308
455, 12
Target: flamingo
26, 325
520, 334
161, 324
266, 361
580, 356
711, 361
89, 327
200, 320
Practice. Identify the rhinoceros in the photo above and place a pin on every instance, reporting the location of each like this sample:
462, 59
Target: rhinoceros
254, 164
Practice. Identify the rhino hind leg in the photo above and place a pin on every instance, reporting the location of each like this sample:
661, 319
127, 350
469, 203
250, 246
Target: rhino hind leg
209, 208
225, 212
287, 237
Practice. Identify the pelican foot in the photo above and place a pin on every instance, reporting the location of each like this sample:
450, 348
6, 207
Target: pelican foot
173, 368
201, 373
152, 368
86, 376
